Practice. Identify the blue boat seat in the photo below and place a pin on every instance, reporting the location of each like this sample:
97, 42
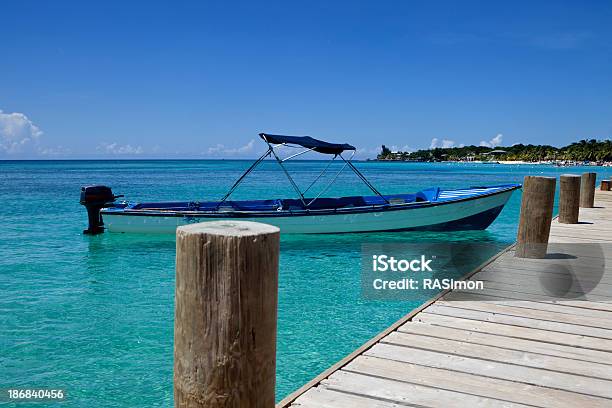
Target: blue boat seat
326, 203
255, 205
360, 201
429, 194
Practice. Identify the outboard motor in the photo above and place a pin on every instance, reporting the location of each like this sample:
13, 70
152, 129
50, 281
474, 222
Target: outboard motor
94, 198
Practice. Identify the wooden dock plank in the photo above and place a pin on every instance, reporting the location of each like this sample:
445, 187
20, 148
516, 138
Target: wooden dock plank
519, 321
405, 392
321, 397
494, 369
528, 301
501, 354
500, 390
590, 291
512, 344
592, 265
519, 277
527, 333
534, 313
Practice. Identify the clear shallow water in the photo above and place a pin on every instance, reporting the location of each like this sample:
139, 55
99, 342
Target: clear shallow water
94, 315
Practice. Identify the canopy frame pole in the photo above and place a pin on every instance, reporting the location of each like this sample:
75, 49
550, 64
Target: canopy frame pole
365, 180
280, 163
332, 180
319, 176
298, 154
272, 152
250, 169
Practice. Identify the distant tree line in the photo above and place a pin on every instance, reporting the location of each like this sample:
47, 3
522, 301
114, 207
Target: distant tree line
584, 150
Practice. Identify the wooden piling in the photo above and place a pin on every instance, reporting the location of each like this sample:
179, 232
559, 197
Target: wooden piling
536, 216
569, 198
587, 190
225, 315
605, 185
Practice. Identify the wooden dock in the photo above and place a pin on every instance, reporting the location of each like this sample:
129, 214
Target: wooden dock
512, 344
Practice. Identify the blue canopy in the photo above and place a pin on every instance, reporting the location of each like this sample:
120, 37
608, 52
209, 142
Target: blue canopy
308, 142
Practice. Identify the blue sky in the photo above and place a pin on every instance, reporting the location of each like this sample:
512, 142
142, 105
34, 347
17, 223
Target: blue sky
199, 79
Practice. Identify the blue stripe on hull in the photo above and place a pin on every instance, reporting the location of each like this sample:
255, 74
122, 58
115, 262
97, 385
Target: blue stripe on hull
474, 222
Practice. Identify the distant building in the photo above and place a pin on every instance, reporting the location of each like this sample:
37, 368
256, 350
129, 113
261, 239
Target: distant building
394, 155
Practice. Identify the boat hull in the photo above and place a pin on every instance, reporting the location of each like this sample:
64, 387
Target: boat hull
468, 214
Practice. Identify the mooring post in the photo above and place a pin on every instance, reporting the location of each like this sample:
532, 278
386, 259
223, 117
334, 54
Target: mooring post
536, 216
569, 198
587, 190
225, 315
605, 185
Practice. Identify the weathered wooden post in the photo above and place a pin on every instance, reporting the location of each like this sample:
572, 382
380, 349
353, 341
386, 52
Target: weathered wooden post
536, 216
587, 190
225, 314
569, 198
605, 185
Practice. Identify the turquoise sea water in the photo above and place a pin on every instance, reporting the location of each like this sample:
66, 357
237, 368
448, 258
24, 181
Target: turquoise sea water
94, 315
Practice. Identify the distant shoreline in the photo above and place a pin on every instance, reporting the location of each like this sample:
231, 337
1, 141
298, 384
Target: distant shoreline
504, 162
582, 153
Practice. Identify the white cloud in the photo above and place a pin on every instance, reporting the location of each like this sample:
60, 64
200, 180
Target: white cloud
216, 149
54, 151
445, 143
220, 149
117, 149
17, 133
496, 141
247, 148
365, 153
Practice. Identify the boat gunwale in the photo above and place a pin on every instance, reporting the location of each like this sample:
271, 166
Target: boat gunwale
302, 213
